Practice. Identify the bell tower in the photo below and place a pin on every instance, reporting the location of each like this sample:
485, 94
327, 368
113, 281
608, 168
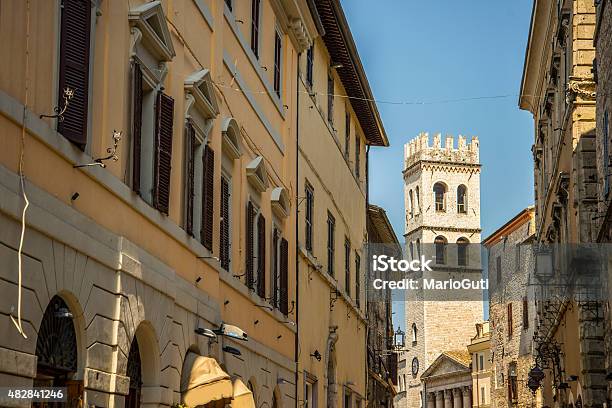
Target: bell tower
442, 221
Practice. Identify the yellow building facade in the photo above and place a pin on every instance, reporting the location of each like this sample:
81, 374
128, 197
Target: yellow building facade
337, 125
175, 234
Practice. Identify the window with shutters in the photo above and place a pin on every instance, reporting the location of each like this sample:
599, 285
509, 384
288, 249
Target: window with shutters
74, 68
284, 276
275, 269
330, 99
261, 256
225, 223
510, 321
309, 216
525, 313
278, 58
255, 26
358, 280
347, 266
152, 109
198, 173
331, 230
347, 134
309, 65
251, 213
357, 156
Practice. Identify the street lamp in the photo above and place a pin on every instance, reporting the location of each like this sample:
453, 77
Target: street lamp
399, 339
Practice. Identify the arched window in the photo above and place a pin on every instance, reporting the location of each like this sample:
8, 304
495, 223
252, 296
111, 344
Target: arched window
411, 250
56, 350
462, 199
418, 200
134, 371
414, 333
439, 190
462, 251
411, 204
440, 244
418, 246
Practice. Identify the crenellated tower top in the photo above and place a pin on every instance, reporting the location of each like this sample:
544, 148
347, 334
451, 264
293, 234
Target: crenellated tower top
419, 149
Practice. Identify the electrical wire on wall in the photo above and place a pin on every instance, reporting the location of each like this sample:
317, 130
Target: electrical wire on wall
17, 322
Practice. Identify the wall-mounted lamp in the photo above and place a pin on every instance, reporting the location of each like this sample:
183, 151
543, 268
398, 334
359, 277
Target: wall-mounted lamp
209, 257
232, 350
316, 355
205, 332
226, 302
75, 196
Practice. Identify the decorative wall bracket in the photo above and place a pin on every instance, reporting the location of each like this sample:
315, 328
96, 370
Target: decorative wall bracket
583, 87
60, 110
112, 153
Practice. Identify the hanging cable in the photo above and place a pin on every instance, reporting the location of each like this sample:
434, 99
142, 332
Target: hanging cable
17, 322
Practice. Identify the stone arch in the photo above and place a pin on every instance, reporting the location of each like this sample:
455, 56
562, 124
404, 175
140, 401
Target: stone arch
149, 353
60, 347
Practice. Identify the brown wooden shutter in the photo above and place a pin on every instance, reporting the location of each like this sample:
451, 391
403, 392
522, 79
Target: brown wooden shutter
136, 127
189, 176
284, 276
164, 109
274, 270
208, 185
261, 256
392, 365
250, 219
74, 69
224, 244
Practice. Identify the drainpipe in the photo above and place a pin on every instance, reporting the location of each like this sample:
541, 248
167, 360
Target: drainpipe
297, 200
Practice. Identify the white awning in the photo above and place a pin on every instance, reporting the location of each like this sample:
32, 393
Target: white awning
205, 381
243, 397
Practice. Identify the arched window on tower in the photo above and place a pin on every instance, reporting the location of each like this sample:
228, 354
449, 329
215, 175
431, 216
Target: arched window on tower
462, 199
418, 200
440, 244
411, 250
418, 247
414, 333
462, 251
439, 191
411, 203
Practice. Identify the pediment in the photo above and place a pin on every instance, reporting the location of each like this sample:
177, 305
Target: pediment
280, 202
149, 18
231, 138
199, 85
444, 365
257, 174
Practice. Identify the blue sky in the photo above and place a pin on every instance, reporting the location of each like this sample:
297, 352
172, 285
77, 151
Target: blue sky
432, 51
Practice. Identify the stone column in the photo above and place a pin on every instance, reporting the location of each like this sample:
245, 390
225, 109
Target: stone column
457, 398
431, 400
440, 399
467, 397
448, 399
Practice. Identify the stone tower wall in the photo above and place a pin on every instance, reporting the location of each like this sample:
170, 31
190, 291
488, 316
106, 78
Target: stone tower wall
441, 325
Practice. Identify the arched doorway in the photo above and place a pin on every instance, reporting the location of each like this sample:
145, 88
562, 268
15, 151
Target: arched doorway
134, 371
56, 349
